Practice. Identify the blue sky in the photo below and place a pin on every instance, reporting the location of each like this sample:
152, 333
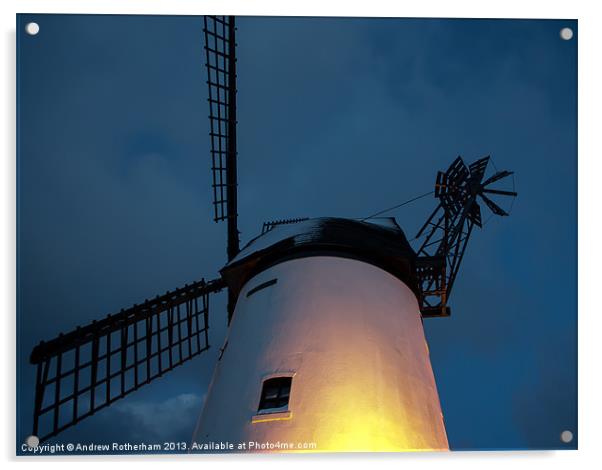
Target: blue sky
337, 117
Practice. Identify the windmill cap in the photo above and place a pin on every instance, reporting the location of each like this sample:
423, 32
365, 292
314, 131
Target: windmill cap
378, 241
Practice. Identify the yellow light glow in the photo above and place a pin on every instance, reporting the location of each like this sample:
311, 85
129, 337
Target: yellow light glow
282, 416
356, 425
352, 423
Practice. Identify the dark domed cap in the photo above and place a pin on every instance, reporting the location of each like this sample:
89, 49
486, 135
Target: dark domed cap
379, 242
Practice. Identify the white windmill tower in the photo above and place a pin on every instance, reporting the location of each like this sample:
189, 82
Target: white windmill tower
325, 349
325, 345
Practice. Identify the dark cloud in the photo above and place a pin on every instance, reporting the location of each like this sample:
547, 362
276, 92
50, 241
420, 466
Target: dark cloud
166, 421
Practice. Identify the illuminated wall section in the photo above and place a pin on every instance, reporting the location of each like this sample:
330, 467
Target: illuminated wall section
350, 336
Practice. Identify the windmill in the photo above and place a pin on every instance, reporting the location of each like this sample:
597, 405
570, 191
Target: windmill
325, 339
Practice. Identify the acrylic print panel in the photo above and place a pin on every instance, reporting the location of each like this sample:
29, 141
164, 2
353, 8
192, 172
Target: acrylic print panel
364, 288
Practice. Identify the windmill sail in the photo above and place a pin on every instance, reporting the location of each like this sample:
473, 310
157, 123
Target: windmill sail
220, 49
89, 368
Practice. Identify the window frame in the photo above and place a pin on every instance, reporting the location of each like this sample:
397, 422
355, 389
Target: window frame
271, 414
271, 404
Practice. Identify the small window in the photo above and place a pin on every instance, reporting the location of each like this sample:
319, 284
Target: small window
275, 395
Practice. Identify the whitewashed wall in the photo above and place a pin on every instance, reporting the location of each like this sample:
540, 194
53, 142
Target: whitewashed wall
350, 335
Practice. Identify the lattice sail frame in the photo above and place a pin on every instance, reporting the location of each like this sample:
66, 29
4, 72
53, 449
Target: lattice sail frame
89, 368
449, 227
220, 56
